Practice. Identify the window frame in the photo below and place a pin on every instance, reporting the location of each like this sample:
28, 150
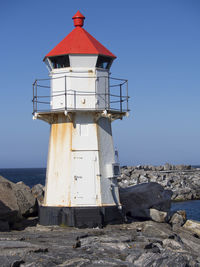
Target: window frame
62, 67
108, 60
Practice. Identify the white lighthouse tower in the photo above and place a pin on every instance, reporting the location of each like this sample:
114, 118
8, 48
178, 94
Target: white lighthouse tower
79, 103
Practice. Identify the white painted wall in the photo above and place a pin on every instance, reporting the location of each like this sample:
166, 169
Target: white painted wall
106, 157
80, 88
84, 132
82, 81
83, 61
77, 163
102, 89
58, 184
80, 149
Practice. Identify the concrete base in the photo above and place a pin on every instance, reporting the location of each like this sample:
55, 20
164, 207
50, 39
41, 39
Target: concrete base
81, 217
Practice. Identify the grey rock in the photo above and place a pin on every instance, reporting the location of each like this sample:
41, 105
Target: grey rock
143, 179
193, 226
172, 244
6, 261
146, 243
75, 262
16, 201
9, 209
17, 263
137, 200
183, 180
190, 242
38, 192
164, 259
178, 218
167, 167
134, 255
4, 226
160, 168
25, 199
158, 231
158, 216
127, 172
182, 167
154, 247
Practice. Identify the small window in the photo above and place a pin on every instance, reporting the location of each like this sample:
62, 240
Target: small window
104, 62
116, 170
60, 61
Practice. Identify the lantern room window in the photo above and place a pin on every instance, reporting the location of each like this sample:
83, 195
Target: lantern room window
104, 62
60, 62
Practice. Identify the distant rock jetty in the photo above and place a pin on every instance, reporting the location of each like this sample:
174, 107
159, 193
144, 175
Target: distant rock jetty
182, 180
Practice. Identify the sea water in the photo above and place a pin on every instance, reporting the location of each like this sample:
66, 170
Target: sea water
30, 176
192, 208
33, 176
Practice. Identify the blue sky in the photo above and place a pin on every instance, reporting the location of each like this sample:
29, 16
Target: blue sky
157, 44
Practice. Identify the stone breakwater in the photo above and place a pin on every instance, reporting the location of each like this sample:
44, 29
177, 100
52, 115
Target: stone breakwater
162, 238
182, 180
136, 244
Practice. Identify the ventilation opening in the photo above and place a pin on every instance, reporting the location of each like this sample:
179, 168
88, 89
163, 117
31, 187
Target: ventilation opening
60, 62
116, 169
103, 62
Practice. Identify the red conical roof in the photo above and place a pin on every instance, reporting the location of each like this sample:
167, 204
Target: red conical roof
79, 41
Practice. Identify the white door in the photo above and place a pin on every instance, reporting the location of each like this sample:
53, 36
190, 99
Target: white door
84, 178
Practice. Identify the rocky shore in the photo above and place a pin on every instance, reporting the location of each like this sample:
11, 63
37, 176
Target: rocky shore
151, 234
182, 180
139, 244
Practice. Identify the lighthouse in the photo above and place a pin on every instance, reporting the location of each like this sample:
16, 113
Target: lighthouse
80, 100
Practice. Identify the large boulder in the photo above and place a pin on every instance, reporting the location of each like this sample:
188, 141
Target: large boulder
178, 219
158, 216
167, 167
38, 192
138, 200
9, 210
25, 199
16, 201
193, 226
4, 226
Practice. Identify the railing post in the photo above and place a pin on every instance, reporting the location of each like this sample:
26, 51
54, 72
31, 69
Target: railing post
96, 96
108, 92
127, 95
35, 95
120, 98
65, 94
105, 94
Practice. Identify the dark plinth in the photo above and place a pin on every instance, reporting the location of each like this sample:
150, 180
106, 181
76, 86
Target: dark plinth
81, 217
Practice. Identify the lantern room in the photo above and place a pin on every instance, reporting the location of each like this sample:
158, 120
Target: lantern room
87, 64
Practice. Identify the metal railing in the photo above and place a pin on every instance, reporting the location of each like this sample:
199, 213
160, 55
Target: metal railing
113, 98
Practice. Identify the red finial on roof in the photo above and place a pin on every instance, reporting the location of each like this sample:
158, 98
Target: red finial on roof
78, 19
